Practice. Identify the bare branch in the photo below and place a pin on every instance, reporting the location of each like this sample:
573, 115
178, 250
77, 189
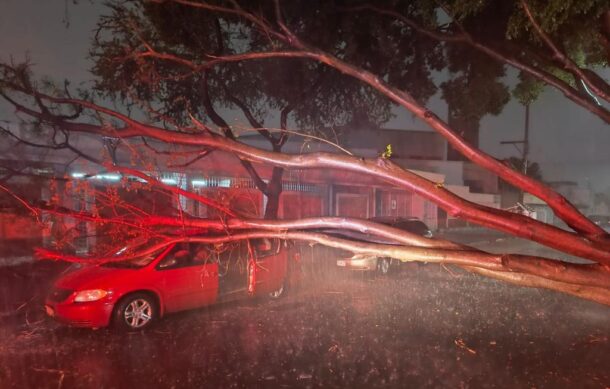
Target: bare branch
22, 201
561, 57
592, 293
436, 35
200, 155
308, 136
538, 73
173, 189
257, 21
226, 130
55, 146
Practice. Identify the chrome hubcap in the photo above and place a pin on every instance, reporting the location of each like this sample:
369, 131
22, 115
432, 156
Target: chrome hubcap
138, 313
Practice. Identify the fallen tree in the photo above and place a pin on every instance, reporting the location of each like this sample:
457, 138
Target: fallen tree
66, 116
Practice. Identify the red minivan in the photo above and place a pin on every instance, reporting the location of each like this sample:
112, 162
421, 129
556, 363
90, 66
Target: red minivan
132, 294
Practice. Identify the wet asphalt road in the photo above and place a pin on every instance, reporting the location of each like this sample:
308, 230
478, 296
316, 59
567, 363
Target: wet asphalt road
427, 326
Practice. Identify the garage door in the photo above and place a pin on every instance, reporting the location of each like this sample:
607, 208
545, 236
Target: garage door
352, 205
299, 205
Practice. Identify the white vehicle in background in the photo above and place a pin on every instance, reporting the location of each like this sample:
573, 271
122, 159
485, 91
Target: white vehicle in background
383, 265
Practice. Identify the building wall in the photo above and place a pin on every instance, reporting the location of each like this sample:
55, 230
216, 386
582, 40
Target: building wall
577, 195
480, 180
352, 201
405, 144
452, 171
457, 173
486, 199
297, 205
393, 203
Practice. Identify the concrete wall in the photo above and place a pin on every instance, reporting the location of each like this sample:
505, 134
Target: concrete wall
457, 173
579, 196
479, 179
451, 170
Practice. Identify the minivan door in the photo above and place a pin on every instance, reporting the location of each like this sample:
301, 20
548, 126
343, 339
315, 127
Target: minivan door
187, 277
271, 264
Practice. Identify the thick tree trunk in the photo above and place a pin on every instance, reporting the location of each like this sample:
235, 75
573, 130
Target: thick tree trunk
273, 205
274, 190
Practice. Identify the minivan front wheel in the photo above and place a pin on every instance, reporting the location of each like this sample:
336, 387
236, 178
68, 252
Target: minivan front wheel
135, 312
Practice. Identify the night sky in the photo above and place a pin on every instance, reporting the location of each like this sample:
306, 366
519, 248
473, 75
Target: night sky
568, 142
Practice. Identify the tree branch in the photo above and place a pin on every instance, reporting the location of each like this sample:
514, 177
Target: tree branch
563, 58
172, 189
558, 203
226, 130
515, 224
589, 282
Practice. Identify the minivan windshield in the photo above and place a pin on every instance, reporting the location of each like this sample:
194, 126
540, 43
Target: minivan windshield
135, 262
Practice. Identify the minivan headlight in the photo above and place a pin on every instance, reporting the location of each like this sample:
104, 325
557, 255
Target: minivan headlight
90, 295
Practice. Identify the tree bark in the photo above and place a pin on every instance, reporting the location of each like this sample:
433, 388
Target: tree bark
273, 193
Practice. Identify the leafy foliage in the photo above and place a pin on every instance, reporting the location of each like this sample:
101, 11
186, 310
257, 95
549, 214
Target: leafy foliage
319, 96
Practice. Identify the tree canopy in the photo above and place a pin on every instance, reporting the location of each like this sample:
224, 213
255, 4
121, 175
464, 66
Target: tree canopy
405, 43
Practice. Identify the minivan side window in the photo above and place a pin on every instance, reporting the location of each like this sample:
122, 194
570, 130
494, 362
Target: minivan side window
264, 247
179, 256
201, 253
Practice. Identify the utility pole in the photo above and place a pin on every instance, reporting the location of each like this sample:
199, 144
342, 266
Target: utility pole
526, 146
